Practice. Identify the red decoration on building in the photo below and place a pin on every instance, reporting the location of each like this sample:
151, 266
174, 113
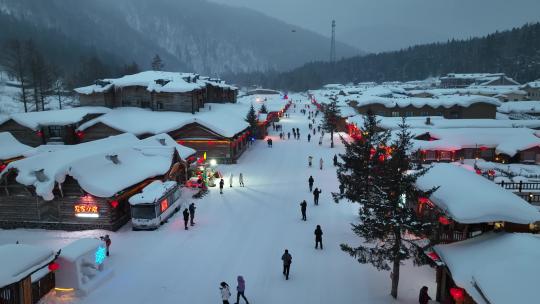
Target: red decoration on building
482, 148
478, 171
114, 204
457, 293
433, 255
444, 220
372, 151
53, 266
381, 158
39, 133
79, 134
2, 167
491, 172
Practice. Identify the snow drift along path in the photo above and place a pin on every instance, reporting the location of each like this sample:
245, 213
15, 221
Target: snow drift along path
244, 232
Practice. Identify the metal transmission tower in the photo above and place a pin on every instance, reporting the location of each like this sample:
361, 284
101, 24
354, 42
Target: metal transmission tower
333, 43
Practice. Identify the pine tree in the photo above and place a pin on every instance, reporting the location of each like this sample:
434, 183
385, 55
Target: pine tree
13, 59
379, 178
330, 120
263, 109
252, 120
157, 63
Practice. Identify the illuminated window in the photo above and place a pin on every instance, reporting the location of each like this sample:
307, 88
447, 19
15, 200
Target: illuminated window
164, 205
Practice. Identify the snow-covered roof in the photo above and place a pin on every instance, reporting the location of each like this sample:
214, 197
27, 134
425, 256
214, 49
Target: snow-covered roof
520, 107
438, 122
446, 101
347, 111
20, 260
273, 103
224, 119
471, 75
11, 147
152, 192
469, 198
502, 267
3, 118
91, 164
35, 120
79, 248
166, 140
532, 84
507, 141
153, 81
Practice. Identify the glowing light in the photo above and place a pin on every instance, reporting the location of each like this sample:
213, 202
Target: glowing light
444, 220
164, 205
53, 266
100, 255
213, 162
433, 255
91, 215
114, 204
63, 289
456, 293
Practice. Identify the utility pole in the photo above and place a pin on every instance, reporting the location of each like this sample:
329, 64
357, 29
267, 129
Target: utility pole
333, 43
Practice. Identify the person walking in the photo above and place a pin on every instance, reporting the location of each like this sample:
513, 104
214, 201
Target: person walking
241, 180
288, 135
321, 163
230, 180
318, 237
192, 213
310, 182
287, 261
335, 160
320, 141
316, 193
107, 240
240, 289
186, 218
221, 183
308, 137
314, 131
310, 160
303, 208
225, 292
423, 297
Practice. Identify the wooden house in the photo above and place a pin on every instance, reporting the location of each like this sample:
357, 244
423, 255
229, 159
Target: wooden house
49, 127
86, 186
466, 205
533, 90
27, 273
491, 268
456, 80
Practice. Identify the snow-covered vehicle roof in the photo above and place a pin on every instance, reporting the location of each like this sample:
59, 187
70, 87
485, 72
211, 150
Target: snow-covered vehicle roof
508, 141
224, 119
10, 147
152, 192
91, 164
495, 267
469, 198
35, 120
21, 260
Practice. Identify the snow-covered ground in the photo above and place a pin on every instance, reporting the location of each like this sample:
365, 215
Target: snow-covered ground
244, 232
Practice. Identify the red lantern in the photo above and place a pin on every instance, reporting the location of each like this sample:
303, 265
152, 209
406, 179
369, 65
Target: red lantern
483, 148
114, 204
79, 134
433, 255
372, 151
444, 220
53, 266
381, 158
39, 133
2, 167
456, 293
478, 171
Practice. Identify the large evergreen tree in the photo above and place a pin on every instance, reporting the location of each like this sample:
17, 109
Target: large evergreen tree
251, 119
381, 180
157, 63
263, 109
330, 120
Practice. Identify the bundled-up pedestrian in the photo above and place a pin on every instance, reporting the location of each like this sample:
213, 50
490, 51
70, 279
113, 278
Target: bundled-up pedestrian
310, 160
221, 184
316, 194
241, 180
240, 289
192, 213
423, 297
335, 160
303, 208
288, 135
107, 240
186, 218
230, 180
320, 141
310, 182
225, 292
314, 131
309, 137
318, 237
321, 163
287, 261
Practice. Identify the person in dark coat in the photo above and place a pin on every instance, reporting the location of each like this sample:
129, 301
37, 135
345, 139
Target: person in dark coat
240, 289
309, 137
310, 182
192, 213
316, 193
335, 160
221, 184
186, 218
423, 298
287, 260
107, 241
303, 208
318, 237
288, 135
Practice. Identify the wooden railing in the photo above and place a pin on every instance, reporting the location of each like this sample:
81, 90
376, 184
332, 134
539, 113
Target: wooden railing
521, 186
452, 236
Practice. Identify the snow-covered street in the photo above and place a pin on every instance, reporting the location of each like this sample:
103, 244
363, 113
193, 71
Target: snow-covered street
244, 232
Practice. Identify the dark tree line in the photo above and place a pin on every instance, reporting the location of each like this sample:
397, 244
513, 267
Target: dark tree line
515, 52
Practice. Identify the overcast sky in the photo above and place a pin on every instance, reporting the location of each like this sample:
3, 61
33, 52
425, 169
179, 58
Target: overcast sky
376, 25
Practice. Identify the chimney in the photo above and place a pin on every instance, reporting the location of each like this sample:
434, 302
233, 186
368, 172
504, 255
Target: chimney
162, 141
113, 158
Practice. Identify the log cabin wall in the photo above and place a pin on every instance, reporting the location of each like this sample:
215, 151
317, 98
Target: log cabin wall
99, 131
105, 99
179, 102
134, 96
23, 134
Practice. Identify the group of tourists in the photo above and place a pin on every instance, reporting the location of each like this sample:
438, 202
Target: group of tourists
189, 216
240, 290
231, 179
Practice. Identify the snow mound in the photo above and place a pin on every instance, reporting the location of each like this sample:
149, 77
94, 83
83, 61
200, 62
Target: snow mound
11, 147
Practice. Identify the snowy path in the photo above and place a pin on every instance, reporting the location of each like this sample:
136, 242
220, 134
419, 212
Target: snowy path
244, 232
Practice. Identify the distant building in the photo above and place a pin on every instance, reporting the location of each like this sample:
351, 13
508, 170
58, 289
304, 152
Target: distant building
455, 80
158, 91
533, 89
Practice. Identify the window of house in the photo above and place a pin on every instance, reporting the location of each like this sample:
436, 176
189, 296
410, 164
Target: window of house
145, 104
160, 105
446, 155
409, 114
56, 131
528, 156
431, 155
395, 114
424, 113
